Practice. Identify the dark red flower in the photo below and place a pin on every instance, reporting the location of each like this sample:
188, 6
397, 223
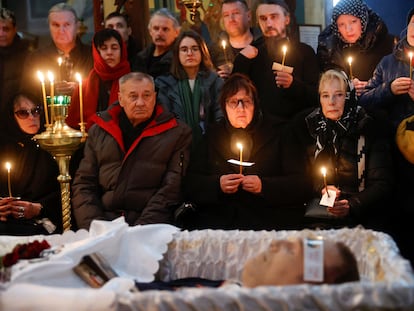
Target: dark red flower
25, 251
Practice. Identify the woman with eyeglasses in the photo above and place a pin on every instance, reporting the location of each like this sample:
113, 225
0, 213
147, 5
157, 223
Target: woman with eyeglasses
30, 195
192, 87
266, 191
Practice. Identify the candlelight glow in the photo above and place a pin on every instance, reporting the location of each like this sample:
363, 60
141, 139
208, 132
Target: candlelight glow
41, 76
350, 59
224, 44
50, 76
60, 61
323, 171
78, 77
240, 146
284, 50
8, 167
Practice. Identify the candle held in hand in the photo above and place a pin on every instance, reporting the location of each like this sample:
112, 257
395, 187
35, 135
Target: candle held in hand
284, 50
323, 171
410, 55
8, 167
224, 44
240, 146
350, 67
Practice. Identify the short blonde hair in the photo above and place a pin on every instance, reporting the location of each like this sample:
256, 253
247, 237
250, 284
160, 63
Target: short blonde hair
331, 75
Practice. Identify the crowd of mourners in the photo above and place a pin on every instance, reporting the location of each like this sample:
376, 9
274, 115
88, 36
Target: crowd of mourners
259, 133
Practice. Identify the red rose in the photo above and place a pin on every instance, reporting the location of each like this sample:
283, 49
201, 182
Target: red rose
25, 251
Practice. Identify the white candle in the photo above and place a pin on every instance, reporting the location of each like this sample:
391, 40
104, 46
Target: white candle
350, 67
323, 171
240, 146
8, 167
60, 70
42, 81
410, 55
52, 95
224, 44
284, 50
79, 78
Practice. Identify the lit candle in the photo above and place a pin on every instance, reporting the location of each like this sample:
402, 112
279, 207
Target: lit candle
410, 55
60, 70
284, 50
52, 95
350, 67
8, 167
224, 44
240, 146
79, 78
42, 81
323, 171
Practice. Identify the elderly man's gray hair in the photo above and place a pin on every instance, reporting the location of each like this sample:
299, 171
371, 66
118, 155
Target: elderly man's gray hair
63, 7
165, 13
136, 76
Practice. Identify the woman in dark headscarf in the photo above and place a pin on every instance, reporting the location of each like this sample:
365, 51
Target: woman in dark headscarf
265, 195
35, 205
100, 90
342, 138
358, 32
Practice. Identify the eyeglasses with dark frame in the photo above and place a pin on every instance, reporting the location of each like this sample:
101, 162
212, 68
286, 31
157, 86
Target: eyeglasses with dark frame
24, 114
186, 49
246, 102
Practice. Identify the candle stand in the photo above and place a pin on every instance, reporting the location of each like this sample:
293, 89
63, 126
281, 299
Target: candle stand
61, 141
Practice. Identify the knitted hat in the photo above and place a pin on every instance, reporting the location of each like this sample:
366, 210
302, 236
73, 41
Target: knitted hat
409, 15
349, 7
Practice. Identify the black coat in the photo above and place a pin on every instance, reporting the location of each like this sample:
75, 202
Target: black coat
12, 60
33, 177
367, 52
280, 102
366, 207
278, 206
144, 62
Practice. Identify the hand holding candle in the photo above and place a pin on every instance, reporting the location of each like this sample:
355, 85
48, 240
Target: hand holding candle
350, 67
42, 81
323, 171
240, 146
8, 167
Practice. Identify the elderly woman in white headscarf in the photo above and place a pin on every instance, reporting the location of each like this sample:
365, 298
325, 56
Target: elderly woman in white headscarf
343, 139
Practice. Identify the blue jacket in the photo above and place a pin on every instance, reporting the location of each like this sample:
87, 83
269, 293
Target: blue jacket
378, 98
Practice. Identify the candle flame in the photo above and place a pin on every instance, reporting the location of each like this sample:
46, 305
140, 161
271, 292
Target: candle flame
8, 166
350, 60
41, 76
410, 55
323, 171
284, 49
50, 76
224, 44
240, 146
60, 61
78, 77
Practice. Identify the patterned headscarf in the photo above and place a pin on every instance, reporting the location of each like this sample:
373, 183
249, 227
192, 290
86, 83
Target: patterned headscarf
349, 7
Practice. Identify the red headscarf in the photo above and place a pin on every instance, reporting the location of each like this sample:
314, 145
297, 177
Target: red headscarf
90, 88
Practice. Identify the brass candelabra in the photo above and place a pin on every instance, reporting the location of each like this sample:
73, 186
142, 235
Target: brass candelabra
61, 141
